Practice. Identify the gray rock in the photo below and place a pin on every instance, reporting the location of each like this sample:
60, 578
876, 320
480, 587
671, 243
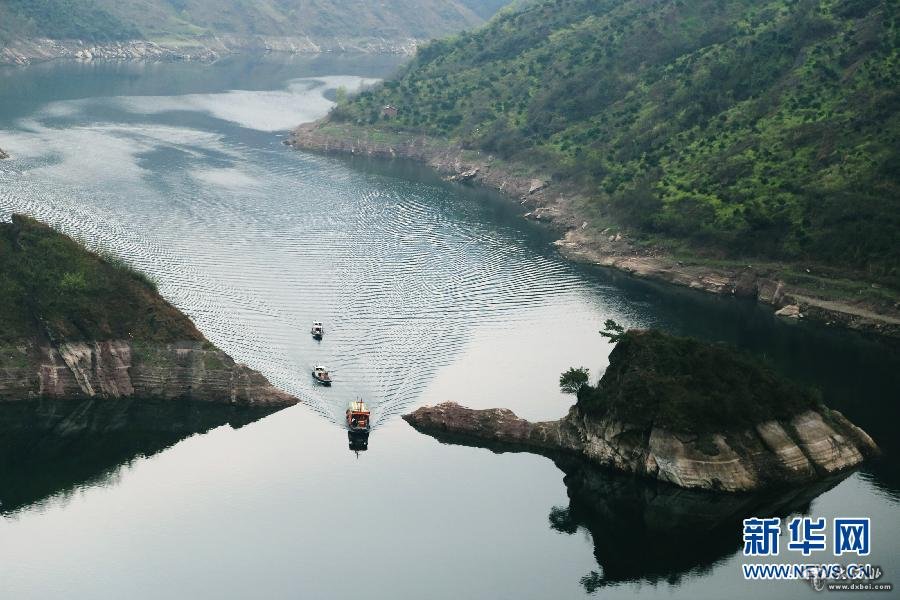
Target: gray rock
812, 446
536, 186
791, 311
464, 175
115, 369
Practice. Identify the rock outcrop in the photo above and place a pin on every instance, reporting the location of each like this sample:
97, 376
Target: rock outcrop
791, 311
115, 369
74, 325
696, 415
812, 446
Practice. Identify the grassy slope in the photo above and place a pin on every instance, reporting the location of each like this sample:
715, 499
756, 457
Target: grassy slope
765, 128
50, 285
682, 384
118, 19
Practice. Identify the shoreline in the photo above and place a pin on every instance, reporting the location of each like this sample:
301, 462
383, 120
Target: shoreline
201, 49
555, 204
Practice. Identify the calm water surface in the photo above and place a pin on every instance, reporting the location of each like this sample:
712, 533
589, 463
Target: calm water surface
430, 292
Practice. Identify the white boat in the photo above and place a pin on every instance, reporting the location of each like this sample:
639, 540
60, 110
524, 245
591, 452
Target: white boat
321, 375
317, 331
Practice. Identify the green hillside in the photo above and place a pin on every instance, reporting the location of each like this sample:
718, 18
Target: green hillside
62, 19
683, 384
50, 285
117, 19
737, 127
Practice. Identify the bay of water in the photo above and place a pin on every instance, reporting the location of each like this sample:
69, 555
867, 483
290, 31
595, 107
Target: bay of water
430, 292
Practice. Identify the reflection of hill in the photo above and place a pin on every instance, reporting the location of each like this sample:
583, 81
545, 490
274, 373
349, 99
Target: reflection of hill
53, 447
644, 530
657, 532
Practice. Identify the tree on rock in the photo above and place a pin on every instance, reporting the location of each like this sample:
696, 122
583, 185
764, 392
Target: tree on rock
573, 380
613, 331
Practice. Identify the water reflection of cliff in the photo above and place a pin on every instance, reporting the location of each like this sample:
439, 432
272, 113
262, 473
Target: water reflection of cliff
647, 531
48, 448
650, 531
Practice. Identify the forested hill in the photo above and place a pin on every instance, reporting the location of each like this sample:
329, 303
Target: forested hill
105, 20
755, 127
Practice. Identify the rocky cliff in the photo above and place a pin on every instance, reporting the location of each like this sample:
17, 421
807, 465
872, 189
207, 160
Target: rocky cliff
681, 412
115, 369
75, 325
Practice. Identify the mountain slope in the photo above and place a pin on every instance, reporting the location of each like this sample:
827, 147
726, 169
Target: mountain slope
103, 20
63, 19
51, 286
734, 127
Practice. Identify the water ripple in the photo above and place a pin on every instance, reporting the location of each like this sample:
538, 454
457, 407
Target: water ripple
255, 242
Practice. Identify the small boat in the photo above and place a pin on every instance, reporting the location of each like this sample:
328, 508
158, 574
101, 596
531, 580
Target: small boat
358, 416
317, 331
321, 375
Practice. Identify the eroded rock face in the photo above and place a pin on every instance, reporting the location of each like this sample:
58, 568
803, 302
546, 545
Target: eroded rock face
813, 445
122, 369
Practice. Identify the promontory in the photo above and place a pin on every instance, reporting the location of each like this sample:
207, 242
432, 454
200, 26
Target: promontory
76, 325
678, 410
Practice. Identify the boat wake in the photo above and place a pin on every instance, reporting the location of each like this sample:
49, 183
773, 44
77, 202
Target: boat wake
254, 242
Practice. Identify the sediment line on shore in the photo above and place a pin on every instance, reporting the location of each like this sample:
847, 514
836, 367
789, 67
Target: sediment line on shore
204, 49
553, 203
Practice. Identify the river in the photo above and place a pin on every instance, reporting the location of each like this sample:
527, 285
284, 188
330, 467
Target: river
430, 292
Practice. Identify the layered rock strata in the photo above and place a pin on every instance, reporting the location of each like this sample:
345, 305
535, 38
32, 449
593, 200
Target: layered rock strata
813, 445
112, 369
